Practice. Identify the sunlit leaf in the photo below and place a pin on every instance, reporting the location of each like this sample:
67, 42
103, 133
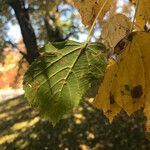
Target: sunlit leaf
57, 81
131, 78
105, 99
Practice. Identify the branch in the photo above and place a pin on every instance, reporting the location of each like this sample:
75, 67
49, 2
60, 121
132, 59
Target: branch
70, 34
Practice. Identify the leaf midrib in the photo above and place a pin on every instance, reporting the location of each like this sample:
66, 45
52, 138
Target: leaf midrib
64, 79
52, 63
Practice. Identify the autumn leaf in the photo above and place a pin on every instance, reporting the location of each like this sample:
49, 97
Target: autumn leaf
131, 77
115, 29
105, 99
89, 9
143, 40
126, 80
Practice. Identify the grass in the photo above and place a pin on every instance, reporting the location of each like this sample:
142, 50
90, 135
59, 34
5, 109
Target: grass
22, 128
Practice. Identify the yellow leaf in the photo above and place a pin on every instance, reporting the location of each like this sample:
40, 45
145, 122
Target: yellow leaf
143, 39
102, 100
105, 99
109, 4
131, 78
114, 108
125, 83
143, 12
115, 29
88, 9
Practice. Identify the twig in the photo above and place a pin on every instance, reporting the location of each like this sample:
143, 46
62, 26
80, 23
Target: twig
137, 5
93, 25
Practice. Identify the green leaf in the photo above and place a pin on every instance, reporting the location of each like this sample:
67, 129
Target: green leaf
57, 81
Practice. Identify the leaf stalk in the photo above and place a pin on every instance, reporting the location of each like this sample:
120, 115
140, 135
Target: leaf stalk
93, 24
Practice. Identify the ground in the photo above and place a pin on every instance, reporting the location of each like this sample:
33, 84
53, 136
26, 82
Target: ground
22, 128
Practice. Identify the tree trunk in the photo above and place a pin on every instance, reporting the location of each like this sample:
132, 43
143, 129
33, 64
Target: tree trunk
26, 29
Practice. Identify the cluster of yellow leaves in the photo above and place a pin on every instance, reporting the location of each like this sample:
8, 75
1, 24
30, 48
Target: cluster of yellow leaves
114, 27
126, 83
88, 10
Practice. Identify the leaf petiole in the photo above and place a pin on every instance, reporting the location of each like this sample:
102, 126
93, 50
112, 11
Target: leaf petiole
93, 24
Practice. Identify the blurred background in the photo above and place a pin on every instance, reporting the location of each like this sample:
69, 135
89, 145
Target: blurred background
29, 24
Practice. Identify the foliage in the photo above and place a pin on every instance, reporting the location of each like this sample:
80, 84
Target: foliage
126, 80
124, 86
46, 18
115, 29
59, 78
88, 9
143, 12
40, 10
